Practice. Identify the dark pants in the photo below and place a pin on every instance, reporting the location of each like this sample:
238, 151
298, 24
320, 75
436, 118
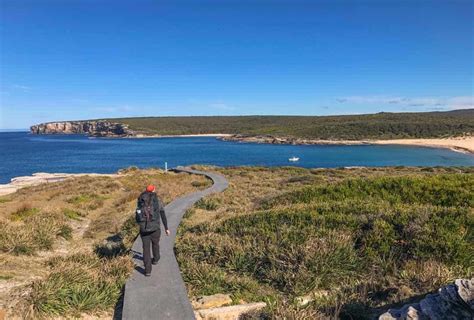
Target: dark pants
152, 238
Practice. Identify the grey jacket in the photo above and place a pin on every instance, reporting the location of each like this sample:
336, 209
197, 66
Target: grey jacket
158, 212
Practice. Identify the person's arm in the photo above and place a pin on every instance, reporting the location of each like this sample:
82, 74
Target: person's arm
163, 217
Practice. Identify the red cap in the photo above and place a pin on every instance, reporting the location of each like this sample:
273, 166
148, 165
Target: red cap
150, 188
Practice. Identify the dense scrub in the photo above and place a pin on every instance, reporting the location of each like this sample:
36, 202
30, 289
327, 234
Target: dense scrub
350, 127
355, 245
441, 190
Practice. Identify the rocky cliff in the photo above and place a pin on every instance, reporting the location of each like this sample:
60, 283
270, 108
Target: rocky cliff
97, 128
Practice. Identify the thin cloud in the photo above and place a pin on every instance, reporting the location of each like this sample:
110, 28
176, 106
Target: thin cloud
21, 87
114, 109
460, 102
221, 106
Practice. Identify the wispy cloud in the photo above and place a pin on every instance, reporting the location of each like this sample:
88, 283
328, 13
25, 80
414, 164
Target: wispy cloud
440, 103
221, 106
462, 102
21, 87
115, 109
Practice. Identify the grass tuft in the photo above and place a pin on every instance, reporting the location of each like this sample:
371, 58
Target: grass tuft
34, 233
209, 204
80, 283
72, 214
23, 212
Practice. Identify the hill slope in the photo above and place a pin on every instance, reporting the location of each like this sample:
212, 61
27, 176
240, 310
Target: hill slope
348, 127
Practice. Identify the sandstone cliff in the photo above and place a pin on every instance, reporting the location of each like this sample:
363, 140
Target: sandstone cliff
96, 128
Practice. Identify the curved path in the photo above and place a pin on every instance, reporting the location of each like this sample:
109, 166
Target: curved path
163, 295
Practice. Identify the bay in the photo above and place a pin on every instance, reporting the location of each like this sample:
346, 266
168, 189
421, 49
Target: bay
24, 154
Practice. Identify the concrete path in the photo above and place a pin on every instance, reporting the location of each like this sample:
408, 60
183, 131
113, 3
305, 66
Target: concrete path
163, 295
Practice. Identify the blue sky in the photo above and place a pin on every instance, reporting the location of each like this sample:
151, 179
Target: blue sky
64, 60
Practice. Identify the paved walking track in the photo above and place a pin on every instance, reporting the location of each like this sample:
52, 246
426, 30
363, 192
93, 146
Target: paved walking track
163, 295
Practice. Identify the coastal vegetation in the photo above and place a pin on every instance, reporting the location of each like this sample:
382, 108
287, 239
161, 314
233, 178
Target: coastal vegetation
64, 246
311, 243
346, 127
349, 242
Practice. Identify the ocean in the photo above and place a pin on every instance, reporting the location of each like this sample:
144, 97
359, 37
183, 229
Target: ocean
24, 154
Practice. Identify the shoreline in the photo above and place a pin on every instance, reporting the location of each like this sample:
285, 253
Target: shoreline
42, 177
457, 144
217, 135
463, 144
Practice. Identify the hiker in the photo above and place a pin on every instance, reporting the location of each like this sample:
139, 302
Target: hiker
148, 213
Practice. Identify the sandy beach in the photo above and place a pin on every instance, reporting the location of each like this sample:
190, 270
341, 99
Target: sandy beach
462, 144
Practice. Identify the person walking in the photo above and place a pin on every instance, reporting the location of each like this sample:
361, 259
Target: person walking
148, 213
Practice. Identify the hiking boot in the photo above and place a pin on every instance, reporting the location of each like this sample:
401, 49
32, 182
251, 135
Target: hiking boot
148, 274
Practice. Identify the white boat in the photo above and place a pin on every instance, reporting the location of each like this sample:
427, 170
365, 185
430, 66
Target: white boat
294, 159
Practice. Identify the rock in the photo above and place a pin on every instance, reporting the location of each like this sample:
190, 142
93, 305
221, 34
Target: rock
228, 313
96, 128
216, 300
454, 301
304, 300
289, 140
466, 291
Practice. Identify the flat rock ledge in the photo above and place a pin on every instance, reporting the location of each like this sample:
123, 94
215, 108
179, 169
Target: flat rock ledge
217, 307
454, 301
290, 140
216, 300
228, 313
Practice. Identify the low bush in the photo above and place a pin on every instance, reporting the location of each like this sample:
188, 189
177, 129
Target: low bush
443, 190
23, 212
209, 204
72, 214
33, 233
89, 201
80, 283
5, 199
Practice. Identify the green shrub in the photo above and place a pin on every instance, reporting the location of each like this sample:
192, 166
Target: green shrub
80, 283
200, 184
65, 232
72, 214
33, 233
89, 201
209, 204
443, 190
24, 212
5, 199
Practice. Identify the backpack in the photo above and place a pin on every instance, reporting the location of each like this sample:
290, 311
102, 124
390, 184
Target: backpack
145, 215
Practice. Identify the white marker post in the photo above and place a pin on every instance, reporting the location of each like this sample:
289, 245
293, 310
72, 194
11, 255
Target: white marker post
166, 166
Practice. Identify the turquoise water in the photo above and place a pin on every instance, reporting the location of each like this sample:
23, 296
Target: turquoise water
24, 154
